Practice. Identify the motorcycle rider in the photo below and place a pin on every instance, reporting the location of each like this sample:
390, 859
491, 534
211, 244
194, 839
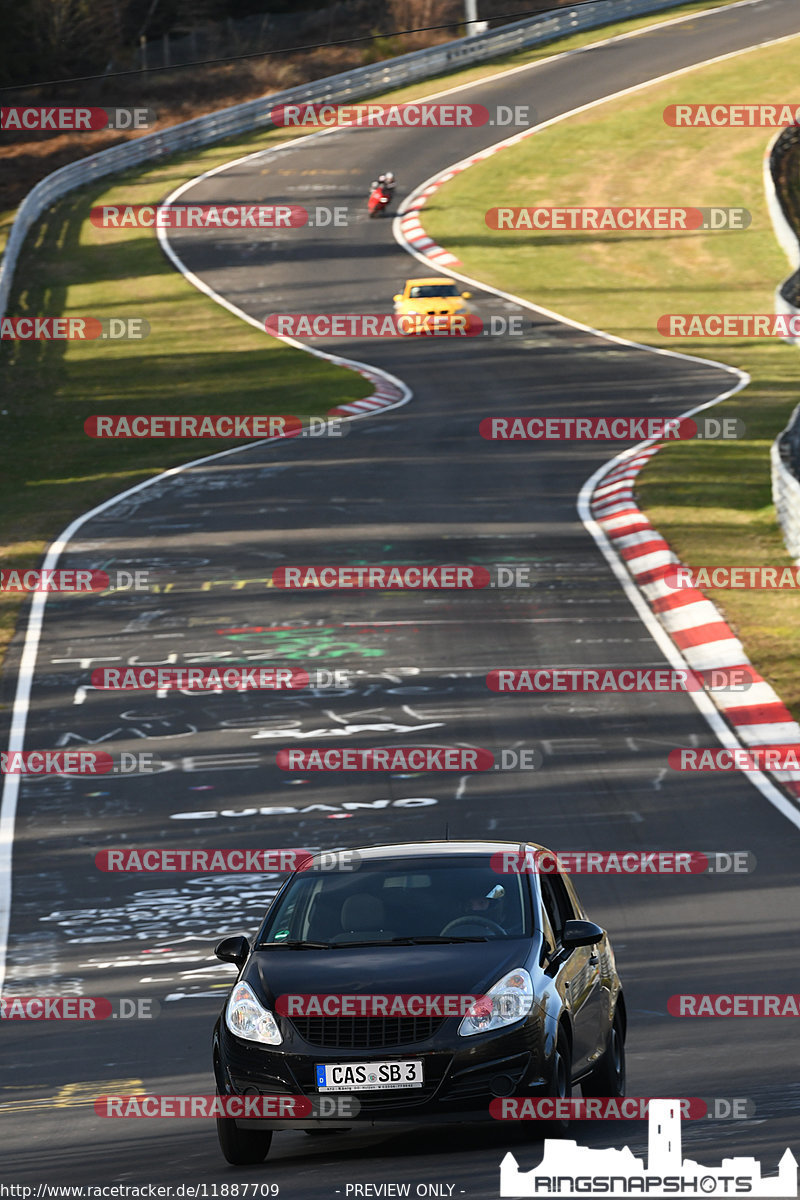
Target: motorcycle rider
385, 185
387, 182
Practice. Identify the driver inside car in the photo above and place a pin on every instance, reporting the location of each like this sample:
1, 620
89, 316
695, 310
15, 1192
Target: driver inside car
483, 906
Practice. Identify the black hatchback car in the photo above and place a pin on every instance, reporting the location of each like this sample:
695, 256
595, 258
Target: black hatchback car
420, 986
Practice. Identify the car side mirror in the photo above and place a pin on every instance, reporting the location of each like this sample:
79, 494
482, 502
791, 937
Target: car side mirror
397, 298
233, 950
466, 295
581, 933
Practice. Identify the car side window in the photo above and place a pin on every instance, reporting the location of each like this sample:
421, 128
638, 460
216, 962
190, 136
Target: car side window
549, 940
565, 909
551, 909
557, 903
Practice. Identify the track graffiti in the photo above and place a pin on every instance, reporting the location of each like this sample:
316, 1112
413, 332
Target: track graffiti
347, 725
292, 642
203, 907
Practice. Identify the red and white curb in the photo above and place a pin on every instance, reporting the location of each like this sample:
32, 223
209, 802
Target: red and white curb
386, 395
409, 219
697, 628
416, 236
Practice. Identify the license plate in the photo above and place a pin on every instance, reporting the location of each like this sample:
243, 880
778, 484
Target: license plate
369, 1077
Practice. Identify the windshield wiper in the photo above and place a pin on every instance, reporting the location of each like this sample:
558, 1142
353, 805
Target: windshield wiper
415, 941
434, 939
295, 945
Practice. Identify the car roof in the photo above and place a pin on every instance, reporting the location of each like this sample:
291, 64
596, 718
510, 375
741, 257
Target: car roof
454, 849
430, 279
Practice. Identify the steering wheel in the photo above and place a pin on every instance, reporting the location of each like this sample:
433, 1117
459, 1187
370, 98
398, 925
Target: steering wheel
451, 926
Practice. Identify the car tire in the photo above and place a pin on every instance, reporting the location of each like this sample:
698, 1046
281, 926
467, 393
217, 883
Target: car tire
560, 1084
242, 1147
608, 1077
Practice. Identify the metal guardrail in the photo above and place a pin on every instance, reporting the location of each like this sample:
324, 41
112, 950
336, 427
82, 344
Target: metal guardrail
786, 491
782, 185
347, 86
784, 168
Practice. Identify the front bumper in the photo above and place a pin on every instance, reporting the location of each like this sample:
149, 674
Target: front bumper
461, 1075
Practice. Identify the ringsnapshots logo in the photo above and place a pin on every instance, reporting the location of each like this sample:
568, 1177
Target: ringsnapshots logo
73, 329
610, 429
64, 118
571, 1170
217, 216
612, 219
224, 426
405, 115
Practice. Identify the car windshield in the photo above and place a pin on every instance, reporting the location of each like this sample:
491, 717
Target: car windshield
416, 900
433, 289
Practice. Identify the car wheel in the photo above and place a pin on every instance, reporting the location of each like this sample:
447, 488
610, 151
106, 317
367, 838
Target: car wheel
242, 1147
560, 1085
608, 1077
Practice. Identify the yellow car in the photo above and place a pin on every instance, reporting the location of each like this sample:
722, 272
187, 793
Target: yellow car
434, 297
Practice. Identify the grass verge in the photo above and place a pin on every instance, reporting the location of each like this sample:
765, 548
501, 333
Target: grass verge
711, 501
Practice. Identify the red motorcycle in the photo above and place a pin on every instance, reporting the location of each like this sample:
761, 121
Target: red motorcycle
378, 200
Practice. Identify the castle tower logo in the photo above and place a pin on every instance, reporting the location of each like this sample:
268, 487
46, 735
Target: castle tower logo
569, 1170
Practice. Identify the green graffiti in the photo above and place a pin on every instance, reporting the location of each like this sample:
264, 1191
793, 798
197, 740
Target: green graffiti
304, 643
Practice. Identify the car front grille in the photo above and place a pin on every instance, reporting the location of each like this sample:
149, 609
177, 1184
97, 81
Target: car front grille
367, 1033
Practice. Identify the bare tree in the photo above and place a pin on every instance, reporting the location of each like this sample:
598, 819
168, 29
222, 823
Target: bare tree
69, 32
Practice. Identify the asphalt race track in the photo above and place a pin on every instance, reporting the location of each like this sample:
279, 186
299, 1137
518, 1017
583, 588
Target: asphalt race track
415, 485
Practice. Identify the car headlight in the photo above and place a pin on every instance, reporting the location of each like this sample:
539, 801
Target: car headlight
245, 1017
508, 1001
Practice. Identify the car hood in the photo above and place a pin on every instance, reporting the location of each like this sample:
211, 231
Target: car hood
461, 968
440, 304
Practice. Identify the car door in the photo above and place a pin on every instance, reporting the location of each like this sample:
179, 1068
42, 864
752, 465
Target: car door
577, 976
